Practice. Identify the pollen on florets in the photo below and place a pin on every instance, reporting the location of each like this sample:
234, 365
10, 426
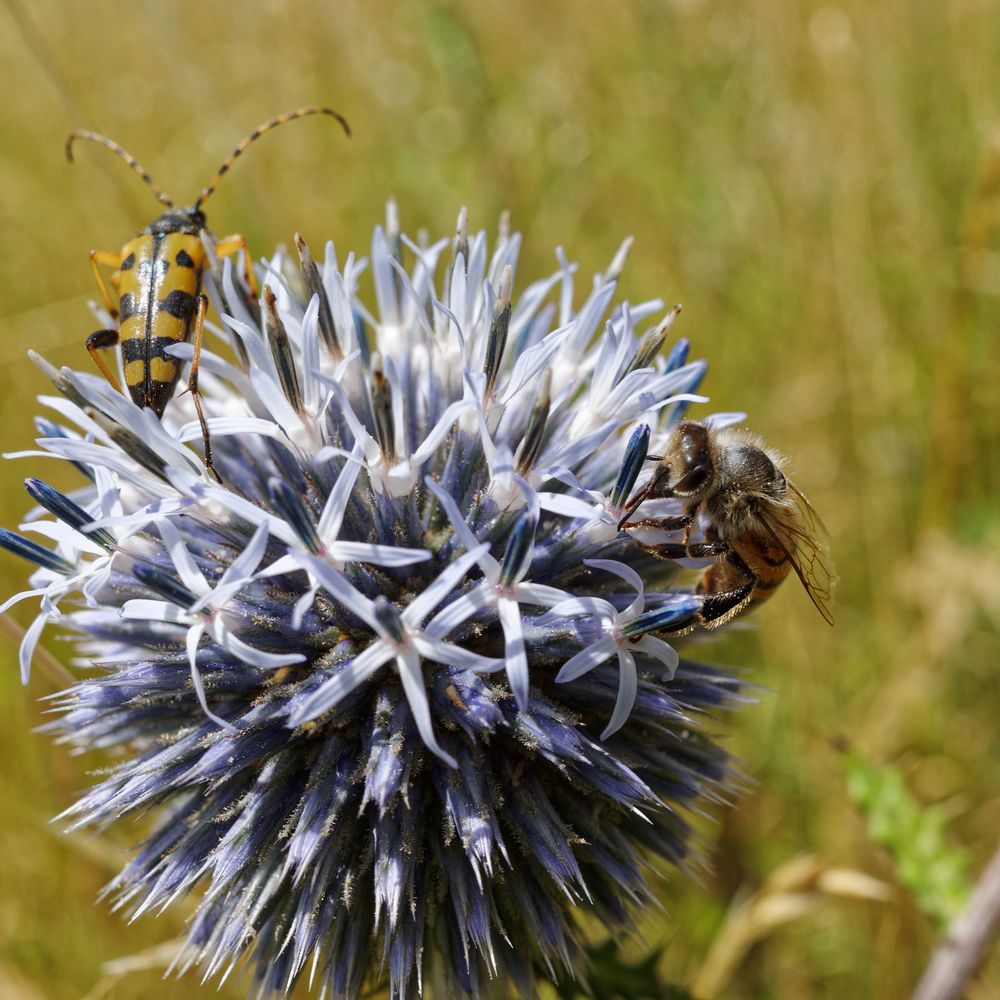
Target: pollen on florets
398, 690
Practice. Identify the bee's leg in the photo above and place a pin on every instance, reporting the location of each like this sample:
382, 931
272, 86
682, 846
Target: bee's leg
110, 259
728, 587
678, 550
99, 341
673, 523
199, 331
229, 245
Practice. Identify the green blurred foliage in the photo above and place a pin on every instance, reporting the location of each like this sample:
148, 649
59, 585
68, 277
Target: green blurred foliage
608, 977
933, 870
816, 180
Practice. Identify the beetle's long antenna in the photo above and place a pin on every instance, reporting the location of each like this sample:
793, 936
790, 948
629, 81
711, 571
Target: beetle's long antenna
256, 134
103, 140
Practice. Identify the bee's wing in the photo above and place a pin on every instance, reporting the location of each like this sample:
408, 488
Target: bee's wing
799, 538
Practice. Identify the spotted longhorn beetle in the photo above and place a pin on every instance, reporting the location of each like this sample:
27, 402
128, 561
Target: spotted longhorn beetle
157, 278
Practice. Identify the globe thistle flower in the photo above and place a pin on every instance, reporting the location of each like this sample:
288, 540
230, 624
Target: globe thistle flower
396, 693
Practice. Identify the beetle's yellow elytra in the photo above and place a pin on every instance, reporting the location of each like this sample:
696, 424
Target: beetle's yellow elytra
160, 279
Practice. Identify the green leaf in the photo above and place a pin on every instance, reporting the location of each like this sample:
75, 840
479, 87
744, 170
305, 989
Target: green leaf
914, 836
609, 978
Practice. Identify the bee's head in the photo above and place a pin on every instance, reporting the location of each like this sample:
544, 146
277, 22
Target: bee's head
686, 468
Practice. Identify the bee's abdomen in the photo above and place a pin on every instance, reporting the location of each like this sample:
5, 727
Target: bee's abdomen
768, 562
160, 281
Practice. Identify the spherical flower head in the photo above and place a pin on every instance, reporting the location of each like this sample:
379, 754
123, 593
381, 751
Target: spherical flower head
398, 693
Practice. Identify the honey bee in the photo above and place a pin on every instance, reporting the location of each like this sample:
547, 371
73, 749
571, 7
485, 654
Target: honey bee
757, 526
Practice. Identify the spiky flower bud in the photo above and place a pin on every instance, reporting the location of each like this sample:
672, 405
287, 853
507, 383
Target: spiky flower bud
392, 689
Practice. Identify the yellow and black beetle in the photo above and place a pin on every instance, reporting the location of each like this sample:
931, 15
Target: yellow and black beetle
157, 277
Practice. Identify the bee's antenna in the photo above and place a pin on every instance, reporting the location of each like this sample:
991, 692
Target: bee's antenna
133, 163
256, 134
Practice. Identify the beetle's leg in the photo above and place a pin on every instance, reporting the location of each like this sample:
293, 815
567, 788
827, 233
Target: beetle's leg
99, 341
229, 245
199, 331
109, 259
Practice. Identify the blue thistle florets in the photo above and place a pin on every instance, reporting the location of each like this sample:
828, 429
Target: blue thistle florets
394, 686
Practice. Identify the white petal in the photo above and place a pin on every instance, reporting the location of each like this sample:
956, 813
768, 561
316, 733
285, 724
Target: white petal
255, 657
260, 357
111, 458
579, 606
62, 533
444, 310
396, 395
660, 650
379, 555
411, 675
368, 444
531, 362
194, 635
564, 475
277, 404
627, 686
452, 615
251, 513
337, 586
183, 561
145, 515
431, 596
537, 593
490, 567
588, 318
356, 672
229, 426
457, 656
310, 354
97, 579
249, 559
26, 594
440, 431
281, 566
336, 505
517, 662
627, 574
416, 312
154, 611
724, 419
385, 285
567, 506
593, 656
302, 605
29, 643
577, 449
528, 491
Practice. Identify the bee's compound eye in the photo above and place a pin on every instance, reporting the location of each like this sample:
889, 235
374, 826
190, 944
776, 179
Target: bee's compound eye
693, 480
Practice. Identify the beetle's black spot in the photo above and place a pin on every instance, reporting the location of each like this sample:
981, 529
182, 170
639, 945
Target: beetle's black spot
184, 259
180, 305
138, 349
128, 263
126, 307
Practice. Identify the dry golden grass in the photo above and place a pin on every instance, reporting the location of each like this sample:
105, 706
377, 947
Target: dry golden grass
816, 182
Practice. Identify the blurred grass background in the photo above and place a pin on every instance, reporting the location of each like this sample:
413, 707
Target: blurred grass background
816, 182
